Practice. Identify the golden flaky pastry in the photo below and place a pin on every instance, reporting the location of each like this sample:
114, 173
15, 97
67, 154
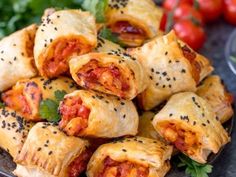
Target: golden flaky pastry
134, 156
171, 66
213, 90
48, 152
16, 57
189, 122
13, 131
87, 113
110, 70
62, 34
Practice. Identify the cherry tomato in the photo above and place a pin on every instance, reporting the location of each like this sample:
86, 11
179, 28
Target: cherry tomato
163, 22
186, 11
190, 33
211, 9
171, 4
230, 11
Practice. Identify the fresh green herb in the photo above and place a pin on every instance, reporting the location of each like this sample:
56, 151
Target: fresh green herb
194, 169
233, 58
97, 8
107, 34
48, 108
2, 105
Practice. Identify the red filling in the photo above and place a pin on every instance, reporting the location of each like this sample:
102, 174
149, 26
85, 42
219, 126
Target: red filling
109, 77
113, 168
79, 164
74, 115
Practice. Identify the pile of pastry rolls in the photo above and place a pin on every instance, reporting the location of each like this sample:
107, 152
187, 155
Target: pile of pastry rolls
103, 129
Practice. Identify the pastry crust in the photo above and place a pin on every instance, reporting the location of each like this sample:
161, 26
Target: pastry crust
169, 71
48, 152
213, 90
109, 116
110, 56
16, 57
55, 43
34, 91
137, 14
203, 133
149, 153
14, 130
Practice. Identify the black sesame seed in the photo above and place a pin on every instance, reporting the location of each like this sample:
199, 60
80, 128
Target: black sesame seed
183, 71
50, 153
124, 150
39, 149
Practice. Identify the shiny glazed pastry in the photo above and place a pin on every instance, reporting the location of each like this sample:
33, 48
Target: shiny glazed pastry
48, 152
16, 57
62, 34
130, 157
214, 91
26, 95
109, 70
13, 131
171, 67
132, 20
91, 114
189, 122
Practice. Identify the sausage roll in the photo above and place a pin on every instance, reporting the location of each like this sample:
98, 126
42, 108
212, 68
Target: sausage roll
189, 122
62, 34
13, 131
132, 20
110, 71
26, 95
16, 57
130, 157
213, 90
87, 113
49, 152
172, 67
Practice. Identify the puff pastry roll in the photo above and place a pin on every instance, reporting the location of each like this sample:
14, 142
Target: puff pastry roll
16, 57
110, 71
189, 122
13, 131
48, 152
213, 90
130, 157
172, 67
26, 95
62, 34
132, 20
87, 113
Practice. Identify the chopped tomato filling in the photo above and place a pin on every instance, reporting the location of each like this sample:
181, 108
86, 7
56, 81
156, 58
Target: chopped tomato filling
58, 64
113, 168
185, 141
74, 115
79, 164
25, 100
128, 32
191, 56
110, 77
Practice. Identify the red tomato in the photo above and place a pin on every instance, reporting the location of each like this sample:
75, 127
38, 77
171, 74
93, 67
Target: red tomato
170, 4
163, 22
190, 33
230, 11
185, 11
211, 9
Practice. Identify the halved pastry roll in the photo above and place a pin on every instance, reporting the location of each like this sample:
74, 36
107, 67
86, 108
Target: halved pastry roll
189, 122
132, 20
130, 157
213, 90
13, 131
109, 71
49, 152
16, 57
26, 95
91, 114
172, 67
62, 34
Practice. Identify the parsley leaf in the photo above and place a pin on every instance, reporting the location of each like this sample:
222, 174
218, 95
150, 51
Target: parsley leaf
2, 105
194, 169
107, 34
48, 108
